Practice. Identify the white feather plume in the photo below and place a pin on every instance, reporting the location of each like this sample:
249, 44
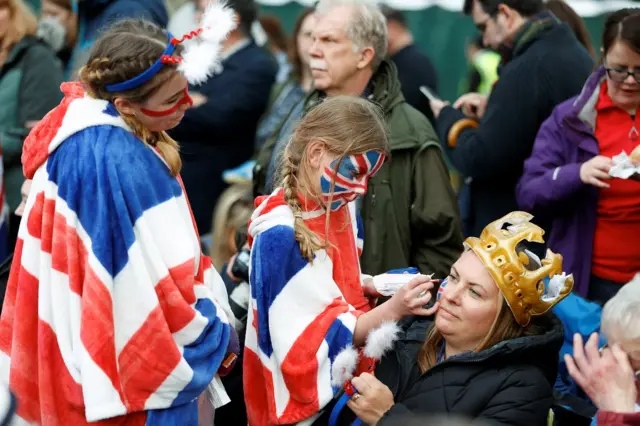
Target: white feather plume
381, 340
344, 366
201, 59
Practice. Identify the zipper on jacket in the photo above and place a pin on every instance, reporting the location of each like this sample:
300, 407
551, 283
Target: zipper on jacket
633, 133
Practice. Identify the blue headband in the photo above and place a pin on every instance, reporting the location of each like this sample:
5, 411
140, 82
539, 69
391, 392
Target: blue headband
147, 75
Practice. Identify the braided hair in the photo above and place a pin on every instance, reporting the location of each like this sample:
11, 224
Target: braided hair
126, 50
347, 125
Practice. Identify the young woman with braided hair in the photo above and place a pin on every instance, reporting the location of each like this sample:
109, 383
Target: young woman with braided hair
112, 316
307, 293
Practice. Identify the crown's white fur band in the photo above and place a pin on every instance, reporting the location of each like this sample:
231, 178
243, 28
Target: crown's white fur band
201, 58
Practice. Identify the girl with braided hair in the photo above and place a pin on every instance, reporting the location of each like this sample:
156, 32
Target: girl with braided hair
307, 296
112, 316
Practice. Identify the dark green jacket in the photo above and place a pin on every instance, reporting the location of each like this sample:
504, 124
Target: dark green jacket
410, 213
30, 82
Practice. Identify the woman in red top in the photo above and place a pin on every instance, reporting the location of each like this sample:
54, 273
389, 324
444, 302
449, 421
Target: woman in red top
596, 219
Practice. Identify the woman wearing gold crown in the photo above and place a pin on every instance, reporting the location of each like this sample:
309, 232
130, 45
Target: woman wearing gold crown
492, 352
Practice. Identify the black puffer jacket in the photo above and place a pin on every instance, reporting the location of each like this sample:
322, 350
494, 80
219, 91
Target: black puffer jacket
508, 384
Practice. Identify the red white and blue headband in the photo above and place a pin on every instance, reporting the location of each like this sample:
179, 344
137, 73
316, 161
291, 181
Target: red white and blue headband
200, 59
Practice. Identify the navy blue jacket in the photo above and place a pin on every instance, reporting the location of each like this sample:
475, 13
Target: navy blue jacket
220, 134
96, 15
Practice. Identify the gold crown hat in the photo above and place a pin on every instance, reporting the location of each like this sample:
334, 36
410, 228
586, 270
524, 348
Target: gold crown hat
528, 289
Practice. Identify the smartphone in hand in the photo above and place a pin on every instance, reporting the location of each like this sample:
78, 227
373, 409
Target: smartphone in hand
429, 94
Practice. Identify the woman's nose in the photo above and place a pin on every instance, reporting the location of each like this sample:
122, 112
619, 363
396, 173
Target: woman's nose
452, 294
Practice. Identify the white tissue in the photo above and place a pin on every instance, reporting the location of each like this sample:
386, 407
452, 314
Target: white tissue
389, 284
623, 167
556, 284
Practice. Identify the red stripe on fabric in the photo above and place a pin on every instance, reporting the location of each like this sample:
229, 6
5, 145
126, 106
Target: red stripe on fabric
175, 295
186, 197
41, 220
46, 391
61, 398
258, 392
71, 257
147, 360
68, 253
300, 366
205, 264
23, 376
35, 150
346, 267
275, 201
97, 331
9, 306
34, 221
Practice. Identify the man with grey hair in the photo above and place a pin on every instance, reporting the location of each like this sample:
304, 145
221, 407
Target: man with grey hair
410, 214
610, 376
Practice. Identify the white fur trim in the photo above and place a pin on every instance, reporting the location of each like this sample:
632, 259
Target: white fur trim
201, 59
381, 340
344, 366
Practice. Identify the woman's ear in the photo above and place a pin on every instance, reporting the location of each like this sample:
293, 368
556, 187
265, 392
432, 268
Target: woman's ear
315, 152
124, 107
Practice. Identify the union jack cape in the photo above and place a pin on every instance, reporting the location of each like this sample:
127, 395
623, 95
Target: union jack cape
111, 316
301, 314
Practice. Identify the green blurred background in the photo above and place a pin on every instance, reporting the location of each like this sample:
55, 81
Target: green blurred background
440, 33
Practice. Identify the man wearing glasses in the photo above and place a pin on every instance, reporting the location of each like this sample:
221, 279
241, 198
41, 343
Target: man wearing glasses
488, 139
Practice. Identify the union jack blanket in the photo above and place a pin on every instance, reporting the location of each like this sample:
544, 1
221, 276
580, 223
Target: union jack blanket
301, 314
112, 316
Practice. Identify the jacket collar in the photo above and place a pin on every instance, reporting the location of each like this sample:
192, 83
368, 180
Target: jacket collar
583, 111
531, 31
540, 350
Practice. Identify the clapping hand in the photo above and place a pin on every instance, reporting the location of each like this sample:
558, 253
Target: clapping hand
606, 377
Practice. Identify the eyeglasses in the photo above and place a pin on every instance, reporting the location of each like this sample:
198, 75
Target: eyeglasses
620, 74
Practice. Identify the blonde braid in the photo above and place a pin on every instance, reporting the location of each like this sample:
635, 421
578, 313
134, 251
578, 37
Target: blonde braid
304, 236
168, 147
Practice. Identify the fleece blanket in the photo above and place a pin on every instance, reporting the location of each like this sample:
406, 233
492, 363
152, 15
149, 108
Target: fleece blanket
112, 316
301, 314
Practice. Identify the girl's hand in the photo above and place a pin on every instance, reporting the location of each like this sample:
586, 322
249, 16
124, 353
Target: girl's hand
373, 399
607, 377
412, 297
369, 289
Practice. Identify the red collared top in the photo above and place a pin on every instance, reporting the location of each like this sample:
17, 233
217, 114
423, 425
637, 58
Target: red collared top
616, 246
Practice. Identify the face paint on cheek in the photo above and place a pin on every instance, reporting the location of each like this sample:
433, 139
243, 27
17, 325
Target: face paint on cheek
185, 100
443, 284
350, 179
